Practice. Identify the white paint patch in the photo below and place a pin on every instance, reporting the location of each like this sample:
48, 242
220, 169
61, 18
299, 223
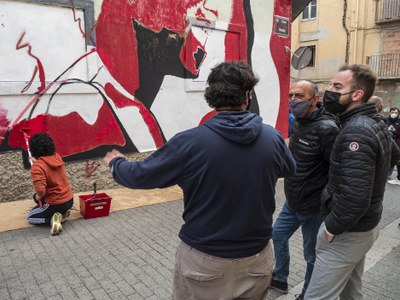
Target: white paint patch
54, 36
268, 88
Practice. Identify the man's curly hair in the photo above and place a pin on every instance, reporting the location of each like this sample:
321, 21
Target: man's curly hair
228, 83
41, 144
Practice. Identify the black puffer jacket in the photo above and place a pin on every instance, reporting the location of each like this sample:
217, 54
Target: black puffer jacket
360, 160
311, 144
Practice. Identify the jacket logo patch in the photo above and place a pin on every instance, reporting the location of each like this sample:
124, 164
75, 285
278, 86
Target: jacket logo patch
304, 142
354, 146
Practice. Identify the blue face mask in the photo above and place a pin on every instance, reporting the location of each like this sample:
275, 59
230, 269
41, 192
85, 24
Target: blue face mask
299, 107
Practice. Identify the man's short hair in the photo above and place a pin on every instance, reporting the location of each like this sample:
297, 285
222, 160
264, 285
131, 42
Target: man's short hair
375, 100
393, 108
313, 86
228, 83
363, 79
41, 144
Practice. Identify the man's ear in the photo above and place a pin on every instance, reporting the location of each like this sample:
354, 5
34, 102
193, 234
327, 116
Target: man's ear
358, 95
246, 104
315, 100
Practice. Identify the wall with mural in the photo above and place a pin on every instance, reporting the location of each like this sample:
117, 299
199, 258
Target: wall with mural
133, 75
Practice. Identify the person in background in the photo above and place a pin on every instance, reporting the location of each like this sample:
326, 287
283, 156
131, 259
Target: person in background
378, 103
53, 194
227, 169
313, 133
351, 203
393, 124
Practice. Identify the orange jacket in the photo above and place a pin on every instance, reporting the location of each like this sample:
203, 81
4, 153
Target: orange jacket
49, 178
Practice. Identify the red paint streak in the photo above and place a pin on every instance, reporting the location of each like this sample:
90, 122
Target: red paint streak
116, 43
201, 16
282, 63
236, 37
188, 51
30, 127
38, 62
31, 80
214, 12
105, 131
116, 37
121, 101
79, 21
37, 96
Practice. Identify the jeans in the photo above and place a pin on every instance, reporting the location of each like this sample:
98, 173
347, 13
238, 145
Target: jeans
286, 224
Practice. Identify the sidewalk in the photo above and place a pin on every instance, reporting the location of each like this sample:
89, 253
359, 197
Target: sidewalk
130, 254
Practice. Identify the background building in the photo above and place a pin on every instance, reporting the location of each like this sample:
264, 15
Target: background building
351, 31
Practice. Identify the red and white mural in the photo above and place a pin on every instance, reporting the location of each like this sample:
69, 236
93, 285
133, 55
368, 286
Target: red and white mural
139, 77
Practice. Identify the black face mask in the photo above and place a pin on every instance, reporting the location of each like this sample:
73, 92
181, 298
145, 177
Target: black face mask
331, 102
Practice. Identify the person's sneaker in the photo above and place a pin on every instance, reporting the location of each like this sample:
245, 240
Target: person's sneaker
299, 297
65, 216
279, 286
55, 224
394, 181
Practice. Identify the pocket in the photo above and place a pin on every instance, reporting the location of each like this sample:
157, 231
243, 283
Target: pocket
263, 269
199, 275
196, 266
263, 265
326, 200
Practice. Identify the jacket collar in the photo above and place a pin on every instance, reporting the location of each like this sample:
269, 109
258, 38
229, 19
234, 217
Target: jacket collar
367, 109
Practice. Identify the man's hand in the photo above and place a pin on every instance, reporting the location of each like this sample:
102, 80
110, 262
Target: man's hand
113, 154
329, 236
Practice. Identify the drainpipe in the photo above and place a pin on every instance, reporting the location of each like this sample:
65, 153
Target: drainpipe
346, 58
356, 32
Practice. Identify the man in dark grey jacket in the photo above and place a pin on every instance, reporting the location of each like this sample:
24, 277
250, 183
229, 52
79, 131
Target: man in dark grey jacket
313, 133
227, 169
352, 201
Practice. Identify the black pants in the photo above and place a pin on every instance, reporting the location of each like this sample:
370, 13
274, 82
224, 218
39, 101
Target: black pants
42, 215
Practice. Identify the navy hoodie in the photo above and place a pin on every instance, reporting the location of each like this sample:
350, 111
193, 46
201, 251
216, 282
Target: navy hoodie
227, 169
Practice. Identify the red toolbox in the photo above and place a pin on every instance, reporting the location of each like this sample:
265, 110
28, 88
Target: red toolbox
95, 205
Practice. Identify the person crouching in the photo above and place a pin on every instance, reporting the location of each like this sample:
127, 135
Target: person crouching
53, 194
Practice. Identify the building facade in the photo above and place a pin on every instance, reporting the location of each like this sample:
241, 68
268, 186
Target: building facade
351, 31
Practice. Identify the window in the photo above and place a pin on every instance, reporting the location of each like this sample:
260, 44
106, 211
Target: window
312, 60
310, 12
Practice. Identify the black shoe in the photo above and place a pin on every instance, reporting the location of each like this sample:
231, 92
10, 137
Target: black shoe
299, 297
279, 286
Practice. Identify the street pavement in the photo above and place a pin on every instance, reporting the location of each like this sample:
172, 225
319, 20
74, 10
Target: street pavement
130, 255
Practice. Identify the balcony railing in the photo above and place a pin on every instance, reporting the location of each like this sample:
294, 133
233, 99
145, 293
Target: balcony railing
386, 66
387, 11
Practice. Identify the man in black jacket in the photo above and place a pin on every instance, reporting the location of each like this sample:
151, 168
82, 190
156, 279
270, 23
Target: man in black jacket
352, 200
313, 134
393, 125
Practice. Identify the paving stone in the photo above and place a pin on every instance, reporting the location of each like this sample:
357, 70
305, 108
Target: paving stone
130, 255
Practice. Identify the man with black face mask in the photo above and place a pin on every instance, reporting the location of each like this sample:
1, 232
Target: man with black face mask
352, 200
312, 136
393, 124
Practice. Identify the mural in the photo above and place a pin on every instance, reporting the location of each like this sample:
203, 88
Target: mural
137, 77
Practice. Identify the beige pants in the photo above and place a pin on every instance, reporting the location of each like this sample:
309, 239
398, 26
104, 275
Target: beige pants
201, 276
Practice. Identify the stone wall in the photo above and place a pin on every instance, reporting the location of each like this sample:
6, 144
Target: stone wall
16, 184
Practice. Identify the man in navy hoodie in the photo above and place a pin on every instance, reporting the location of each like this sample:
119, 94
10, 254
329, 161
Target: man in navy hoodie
227, 169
